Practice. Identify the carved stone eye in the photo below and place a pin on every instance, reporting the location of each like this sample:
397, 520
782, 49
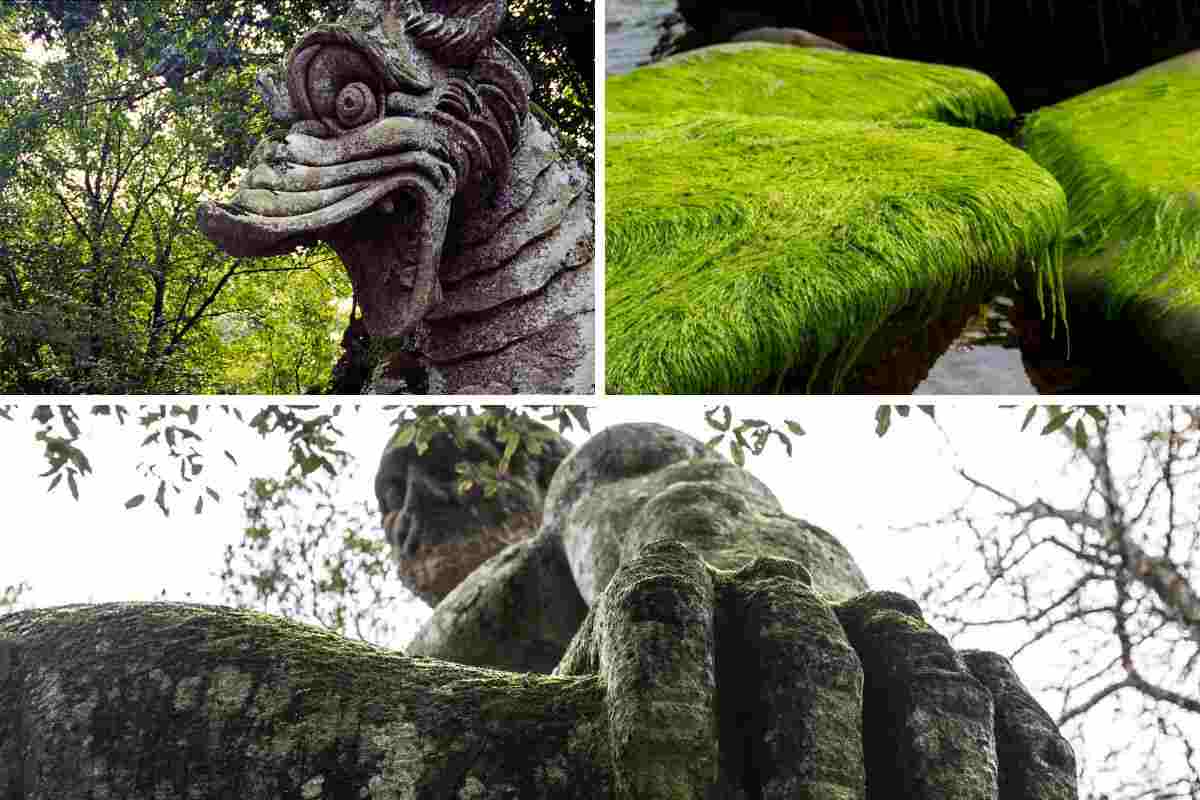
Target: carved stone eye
356, 104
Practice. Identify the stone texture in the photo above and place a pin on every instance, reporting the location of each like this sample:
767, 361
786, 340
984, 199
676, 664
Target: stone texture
1034, 759
796, 37
928, 730
413, 153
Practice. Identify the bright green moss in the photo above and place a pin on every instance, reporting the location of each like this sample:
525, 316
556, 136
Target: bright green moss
740, 246
757, 78
822, 200
1128, 156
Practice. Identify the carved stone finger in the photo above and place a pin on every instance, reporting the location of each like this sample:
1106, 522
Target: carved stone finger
927, 721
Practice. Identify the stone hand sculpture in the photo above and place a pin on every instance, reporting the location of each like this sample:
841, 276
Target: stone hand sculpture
742, 653
413, 152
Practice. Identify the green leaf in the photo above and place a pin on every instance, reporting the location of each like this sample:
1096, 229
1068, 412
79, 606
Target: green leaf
1081, 437
794, 427
714, 441
160, 498
710, 417
1095, 413
883, 420
135, 501
404, 437
511, 441
71, 484
1056, 422
928, 411
902, 411
1029, 415
739, 455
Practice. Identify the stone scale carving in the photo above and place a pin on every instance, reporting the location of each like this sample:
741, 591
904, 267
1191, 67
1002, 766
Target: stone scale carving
414, 152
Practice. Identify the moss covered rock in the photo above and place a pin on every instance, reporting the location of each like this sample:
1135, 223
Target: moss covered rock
1128, 156
833, 196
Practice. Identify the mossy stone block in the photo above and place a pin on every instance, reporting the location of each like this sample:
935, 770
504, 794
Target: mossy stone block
760, 78
780, 235
1128, 156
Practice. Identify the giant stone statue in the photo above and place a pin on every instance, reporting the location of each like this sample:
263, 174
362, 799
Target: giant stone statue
701, 643
414, 152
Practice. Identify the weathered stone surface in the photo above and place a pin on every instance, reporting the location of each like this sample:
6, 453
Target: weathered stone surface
796, 37
1035, 760
684, 679
147, 700
791, 685
928, 730
634, 484
826, 211
657, 659
412, 151
519, 610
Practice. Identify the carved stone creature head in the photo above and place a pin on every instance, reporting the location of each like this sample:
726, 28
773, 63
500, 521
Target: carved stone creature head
438, 534
403, 115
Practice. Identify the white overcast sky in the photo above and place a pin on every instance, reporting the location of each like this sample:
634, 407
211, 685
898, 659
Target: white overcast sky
864, 489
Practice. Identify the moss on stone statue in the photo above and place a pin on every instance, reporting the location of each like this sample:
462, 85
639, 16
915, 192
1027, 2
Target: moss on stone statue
743, 245
1128, 156
273, 706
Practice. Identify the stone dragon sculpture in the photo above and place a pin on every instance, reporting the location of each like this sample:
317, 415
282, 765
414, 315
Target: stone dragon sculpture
414, 152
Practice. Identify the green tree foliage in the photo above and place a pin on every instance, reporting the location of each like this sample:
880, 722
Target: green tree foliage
305, 556
10, 597
747, 436
177, 448
115, 118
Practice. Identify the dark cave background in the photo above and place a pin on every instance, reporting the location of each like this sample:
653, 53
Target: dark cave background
1039, 51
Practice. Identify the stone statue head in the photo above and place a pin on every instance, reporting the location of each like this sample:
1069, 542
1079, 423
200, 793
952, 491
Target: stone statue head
403, 116
440, 534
